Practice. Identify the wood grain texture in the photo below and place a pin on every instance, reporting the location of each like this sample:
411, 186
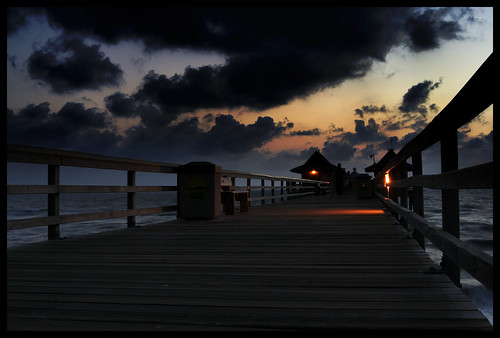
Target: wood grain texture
300, 264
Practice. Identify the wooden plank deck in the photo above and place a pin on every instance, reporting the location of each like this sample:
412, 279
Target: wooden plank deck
317, 263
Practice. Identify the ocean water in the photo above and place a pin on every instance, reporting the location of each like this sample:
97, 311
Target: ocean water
27, 206
476, 229
476, 219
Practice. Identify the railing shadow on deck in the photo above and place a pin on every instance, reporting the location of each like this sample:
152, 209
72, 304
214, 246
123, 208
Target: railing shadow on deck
471, 100
271, 188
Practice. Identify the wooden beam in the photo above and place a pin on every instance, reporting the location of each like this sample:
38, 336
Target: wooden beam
27, 154
417, 195
64, 189
449, 200
53, 231
131, 198
475, 177
73, 218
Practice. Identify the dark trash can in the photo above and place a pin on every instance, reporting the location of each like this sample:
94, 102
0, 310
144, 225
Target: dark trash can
364, 186
198, 195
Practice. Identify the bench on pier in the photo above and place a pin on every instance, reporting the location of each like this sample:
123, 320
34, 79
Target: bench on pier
229, 196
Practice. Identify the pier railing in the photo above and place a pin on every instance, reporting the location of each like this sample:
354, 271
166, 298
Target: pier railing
279, 188
471, 100
55, 159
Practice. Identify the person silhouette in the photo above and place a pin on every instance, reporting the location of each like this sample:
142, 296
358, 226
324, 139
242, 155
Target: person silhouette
339, 186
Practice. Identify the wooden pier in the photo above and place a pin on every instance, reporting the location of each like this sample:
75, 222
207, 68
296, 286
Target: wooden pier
318, 262
321, 262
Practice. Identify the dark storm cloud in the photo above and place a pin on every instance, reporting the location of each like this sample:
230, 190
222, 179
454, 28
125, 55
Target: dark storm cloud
187, 141
426, 30
364, 133
17, 17
73, 126
68, 64
121, 105
338, 151
231, 136
416, 96
274, 55
311, 132
88, 129
196, 88
370, 109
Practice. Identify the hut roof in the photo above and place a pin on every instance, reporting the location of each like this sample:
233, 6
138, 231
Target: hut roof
376, 167
315, 162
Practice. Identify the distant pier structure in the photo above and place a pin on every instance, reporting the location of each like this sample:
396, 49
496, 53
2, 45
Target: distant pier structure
317, 167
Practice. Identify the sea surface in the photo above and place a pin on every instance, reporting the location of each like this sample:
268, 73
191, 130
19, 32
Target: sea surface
476, 219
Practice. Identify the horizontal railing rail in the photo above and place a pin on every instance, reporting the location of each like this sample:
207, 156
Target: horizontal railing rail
470, 101
288, 187
475, 177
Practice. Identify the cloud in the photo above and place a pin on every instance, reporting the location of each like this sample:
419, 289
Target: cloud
88, 129
273, 55
17, 17
68, 64
338, 151
370, 109
311, 132
475, 150
428, 29
417, 95
231, 136
364, 133
187, 141
72, 127
121, 105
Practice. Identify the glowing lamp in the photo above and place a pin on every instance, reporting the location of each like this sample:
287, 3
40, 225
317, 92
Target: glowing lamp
387, 181
314, 172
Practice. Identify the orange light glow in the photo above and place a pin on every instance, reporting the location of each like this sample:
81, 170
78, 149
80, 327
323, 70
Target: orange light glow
332, 212
387, 181
313, 172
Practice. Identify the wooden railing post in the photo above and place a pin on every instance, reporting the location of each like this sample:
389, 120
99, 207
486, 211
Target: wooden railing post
450, 201
249, 184
272, 191
263, 191
53, 230
130, 198
402, 174
417, 196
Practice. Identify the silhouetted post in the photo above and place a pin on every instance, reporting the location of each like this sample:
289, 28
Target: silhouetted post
450, 202
199, 191
263, 191
393, 192
418, 196
249, 184
272, 191
53, 231
402, 174
282, 191
130, 198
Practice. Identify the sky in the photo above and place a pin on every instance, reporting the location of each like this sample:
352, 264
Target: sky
255, 89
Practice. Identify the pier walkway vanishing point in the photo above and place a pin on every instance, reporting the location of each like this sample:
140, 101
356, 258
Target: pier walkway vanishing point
320, 262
